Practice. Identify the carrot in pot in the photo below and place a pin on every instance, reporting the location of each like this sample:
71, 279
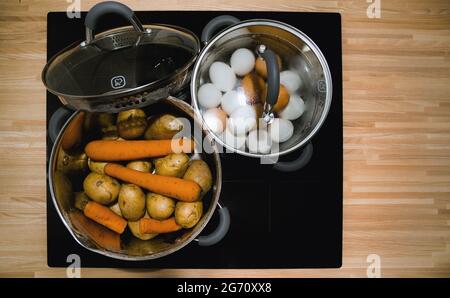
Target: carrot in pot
112, 150
183, 190
153, 226
73, 132
105, 216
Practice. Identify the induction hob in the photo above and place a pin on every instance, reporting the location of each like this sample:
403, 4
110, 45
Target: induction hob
278, 220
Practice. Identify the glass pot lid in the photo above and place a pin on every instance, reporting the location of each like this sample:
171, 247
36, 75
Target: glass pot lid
122, 61
232, 88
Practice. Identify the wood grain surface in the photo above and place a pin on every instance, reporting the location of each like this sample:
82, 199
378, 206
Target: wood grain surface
396, 136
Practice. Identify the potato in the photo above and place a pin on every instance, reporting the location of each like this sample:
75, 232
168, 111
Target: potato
174, 165
116, 209
140, 165
159, 207
187, 214
199, 172
131, 124
110, 133
134, 228
71, 163
132, 202
163, 128
81, 200
97, 166
101, 188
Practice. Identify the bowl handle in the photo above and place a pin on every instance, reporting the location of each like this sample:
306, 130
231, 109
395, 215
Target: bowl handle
106, 7
56, 122
221, 230
297, 164
215, 25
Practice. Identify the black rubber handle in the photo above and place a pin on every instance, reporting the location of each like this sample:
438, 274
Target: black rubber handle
106, 7
273, 76
219, 232
215, 25
56, 122
297, 164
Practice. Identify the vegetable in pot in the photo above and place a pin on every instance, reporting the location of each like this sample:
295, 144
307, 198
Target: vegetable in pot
173, 187
140, 165
187, 214
131, 202
159, 207
135, 230
174, 165
163, 128
101, 188
199, 172
99, 213
96, 166
131, 124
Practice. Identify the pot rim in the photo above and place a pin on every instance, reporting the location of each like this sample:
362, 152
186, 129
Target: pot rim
120, 256
129, 91
302, 36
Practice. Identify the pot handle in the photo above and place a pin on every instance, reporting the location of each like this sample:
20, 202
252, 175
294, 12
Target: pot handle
216, 24
57, 121
297, 164
221, 230
106, 7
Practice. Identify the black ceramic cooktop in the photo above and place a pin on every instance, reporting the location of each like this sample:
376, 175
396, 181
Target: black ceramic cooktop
278, 220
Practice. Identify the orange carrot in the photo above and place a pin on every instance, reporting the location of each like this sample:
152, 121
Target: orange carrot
73, 132
111, 150
100, 234
105, 216
183, 190
153, 226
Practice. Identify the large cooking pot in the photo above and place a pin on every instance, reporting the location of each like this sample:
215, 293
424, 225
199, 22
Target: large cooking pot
68, 168
262, 88
123, 68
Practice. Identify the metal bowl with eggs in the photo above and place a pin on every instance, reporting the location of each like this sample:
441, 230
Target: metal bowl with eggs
254, 104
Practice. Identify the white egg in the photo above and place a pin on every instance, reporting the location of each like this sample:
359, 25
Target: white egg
294, 108
232, 100
291, 80
215, 119
242, 120
209, 96
237, 142
281, 130
242, 61
259, 141
222, 76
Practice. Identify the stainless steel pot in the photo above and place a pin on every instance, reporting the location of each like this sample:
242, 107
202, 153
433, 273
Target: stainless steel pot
68, 167
123, 68
298, 53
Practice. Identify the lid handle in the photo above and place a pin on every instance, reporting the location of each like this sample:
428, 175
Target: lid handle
273, 81
106, 7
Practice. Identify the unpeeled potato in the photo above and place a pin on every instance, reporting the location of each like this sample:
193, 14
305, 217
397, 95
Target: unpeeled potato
131, 124
163, 127
199, 172
101, 188
187, 214
174, 165
159, 207
140, 165
132, 202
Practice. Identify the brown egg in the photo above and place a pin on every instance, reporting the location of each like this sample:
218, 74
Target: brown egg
254, 88
260, 66
282, 101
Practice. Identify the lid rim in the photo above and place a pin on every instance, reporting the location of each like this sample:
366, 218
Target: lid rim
129, 91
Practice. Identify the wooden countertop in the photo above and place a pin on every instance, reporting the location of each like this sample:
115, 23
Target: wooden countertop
396, 133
